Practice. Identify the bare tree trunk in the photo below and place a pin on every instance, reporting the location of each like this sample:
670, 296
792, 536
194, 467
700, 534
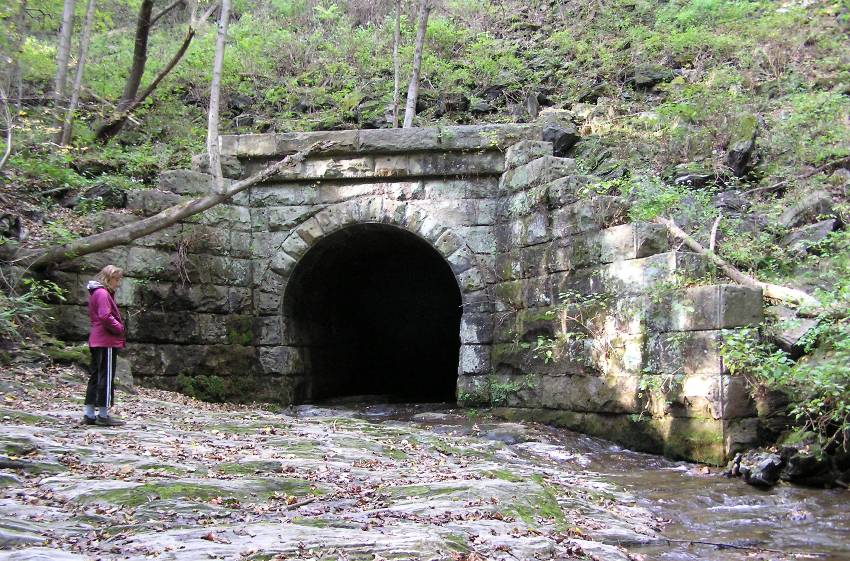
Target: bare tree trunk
773, 291
63, 53
140, 55
413, 89
125, 234
9, 73
215, 96
67, 125
396, 62
116, 122
7, 125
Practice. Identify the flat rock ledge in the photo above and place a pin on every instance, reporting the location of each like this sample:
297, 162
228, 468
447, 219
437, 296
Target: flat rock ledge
186, 480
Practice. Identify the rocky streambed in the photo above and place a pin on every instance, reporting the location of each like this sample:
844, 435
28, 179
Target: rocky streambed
185, 480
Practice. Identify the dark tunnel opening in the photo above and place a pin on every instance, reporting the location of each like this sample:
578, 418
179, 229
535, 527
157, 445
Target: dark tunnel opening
379, 311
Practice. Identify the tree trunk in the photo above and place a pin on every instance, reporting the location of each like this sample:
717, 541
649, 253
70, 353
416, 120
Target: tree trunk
773, 291
140, 55
116, 122
413, 89
9, 73
215, 96
396, 62
65, 132
37, 259
63, 53
7, 125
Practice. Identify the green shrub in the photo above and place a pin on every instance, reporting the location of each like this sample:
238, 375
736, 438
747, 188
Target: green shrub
817, 386
23, 314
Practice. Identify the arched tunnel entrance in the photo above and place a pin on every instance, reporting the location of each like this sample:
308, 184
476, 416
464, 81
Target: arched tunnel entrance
378, 310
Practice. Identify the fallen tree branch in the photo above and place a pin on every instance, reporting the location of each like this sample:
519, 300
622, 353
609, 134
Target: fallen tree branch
773, 291
779, 184
712, 241
123, 235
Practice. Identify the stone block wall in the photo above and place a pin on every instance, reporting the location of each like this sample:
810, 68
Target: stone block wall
572, 314
595, 327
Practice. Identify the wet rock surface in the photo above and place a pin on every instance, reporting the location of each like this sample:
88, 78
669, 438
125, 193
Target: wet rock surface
185, 480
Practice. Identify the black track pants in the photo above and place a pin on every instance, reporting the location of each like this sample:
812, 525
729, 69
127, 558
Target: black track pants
100, 391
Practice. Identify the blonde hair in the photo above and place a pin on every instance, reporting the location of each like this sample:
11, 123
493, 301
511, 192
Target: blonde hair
108, 274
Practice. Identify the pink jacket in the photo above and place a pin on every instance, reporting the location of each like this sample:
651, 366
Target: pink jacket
107, 329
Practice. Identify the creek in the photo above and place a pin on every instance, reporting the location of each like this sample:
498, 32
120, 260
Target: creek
700, 504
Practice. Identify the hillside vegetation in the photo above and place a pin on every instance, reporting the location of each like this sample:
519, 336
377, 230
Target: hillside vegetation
727, 115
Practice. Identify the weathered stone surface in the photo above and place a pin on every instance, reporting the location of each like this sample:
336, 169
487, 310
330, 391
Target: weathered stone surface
686, 353
523, 152
576, 392
225, 216
677, 437
809, 208
284, 194
70, 323
185, 182
802, 239
151, 201
200, 298
598, 212
109, 219
281, 360
537, 172
458, 188
94, 262
41, 554
190, 327
474, 359
705, 308
631, 276
231, 167
741, 155
167, 238
476, 328
788, 330
150, 263
172, 360
563, 136
632, 241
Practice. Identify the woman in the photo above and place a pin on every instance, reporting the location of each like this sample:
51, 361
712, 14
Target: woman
106, 337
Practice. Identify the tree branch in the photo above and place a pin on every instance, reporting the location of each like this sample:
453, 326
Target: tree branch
125, 234
779, 184
774, 291
713, 239
166, 10
116, 123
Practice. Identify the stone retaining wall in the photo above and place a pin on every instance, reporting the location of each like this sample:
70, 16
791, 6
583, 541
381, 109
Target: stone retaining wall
571, 314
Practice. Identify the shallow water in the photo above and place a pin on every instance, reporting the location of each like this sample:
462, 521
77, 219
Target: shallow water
696, 504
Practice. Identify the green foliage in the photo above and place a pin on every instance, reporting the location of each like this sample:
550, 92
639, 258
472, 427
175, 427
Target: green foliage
815, 127
47, 169
210, 388
23, 314
817, 386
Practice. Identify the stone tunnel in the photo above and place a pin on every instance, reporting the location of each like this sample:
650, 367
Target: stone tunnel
462, 264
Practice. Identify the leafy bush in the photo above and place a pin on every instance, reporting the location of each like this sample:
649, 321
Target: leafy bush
23, 314
817, 386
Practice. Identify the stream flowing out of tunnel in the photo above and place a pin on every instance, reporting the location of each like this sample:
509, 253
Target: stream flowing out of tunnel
378, 310
703, 515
